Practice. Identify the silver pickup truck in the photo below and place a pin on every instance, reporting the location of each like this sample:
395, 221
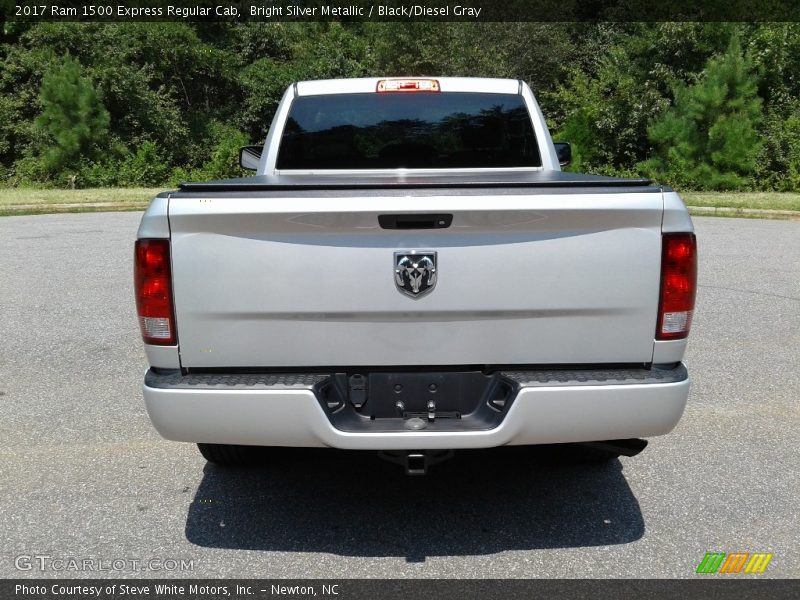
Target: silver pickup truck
410, 271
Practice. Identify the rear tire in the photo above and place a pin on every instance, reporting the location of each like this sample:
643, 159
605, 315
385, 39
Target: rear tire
228, 455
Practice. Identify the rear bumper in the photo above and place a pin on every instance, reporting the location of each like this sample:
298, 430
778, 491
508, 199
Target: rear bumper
550, 407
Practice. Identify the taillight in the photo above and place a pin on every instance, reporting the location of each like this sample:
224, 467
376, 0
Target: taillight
152, 282
678, 285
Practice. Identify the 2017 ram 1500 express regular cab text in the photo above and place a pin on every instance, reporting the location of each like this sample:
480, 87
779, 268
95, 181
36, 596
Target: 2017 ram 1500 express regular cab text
410, 271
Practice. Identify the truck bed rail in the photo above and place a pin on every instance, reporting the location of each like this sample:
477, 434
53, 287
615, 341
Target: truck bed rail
505, 179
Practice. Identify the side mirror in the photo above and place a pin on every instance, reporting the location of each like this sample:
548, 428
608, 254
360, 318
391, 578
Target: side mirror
564, 153
249, 157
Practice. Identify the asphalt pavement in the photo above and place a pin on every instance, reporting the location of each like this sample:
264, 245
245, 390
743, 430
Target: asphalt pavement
84, 476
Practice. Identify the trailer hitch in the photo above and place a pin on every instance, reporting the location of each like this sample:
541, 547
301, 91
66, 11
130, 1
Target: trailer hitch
416, 462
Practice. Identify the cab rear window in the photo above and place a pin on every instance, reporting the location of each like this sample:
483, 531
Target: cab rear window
448, 130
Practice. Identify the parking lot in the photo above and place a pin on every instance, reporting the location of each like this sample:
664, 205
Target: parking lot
84, 475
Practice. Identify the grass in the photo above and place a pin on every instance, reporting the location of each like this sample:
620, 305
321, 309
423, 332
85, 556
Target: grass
751, 200
22, 201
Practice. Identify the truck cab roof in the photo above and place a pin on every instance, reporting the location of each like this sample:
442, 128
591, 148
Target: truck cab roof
445, 84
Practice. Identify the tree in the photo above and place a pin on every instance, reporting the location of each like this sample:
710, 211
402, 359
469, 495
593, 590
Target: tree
709, 139
73, 117
607, 114
605, 87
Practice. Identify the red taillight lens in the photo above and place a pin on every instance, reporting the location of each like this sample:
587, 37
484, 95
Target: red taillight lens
678, 285
152, 282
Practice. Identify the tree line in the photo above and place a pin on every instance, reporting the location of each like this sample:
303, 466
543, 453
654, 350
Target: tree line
695, 105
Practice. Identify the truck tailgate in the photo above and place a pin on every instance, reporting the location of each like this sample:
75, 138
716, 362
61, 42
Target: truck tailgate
307, 278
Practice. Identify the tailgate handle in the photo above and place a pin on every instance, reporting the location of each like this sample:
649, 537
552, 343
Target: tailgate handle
420, 221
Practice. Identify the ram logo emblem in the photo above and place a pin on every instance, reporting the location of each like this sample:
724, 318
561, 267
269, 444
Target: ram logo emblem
415, 272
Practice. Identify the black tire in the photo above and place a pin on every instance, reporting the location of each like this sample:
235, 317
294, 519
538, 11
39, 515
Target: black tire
227, 455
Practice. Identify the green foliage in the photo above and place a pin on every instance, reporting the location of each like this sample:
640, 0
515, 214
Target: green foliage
6, 132
29, 169
536, 52
223, 161
330, 51
607, 115
619, 82
95, 174
263, 82
779, 161
73, 117
144, 168
182, 97
775, 51
708, 139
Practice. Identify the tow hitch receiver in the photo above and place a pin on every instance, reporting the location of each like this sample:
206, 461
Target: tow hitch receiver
416, 462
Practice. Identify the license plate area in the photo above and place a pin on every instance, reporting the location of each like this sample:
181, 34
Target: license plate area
429, 400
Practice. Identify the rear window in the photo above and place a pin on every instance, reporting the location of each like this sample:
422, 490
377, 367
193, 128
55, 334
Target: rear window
413, 130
